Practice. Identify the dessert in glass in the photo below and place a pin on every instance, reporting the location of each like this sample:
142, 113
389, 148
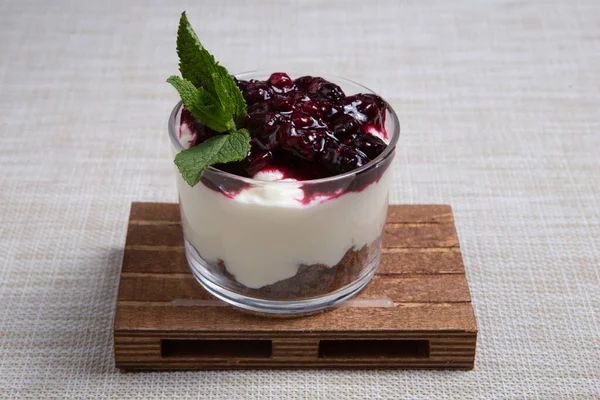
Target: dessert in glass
296, 224
283, 231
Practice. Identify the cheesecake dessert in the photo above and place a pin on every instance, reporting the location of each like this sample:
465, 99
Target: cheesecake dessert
284, 196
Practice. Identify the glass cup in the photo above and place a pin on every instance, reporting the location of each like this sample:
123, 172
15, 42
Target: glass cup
286, 247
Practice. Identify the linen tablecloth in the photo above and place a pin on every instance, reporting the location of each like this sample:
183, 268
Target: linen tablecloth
500, 112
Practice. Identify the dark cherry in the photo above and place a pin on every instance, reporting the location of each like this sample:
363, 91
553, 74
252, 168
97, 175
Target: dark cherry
258, 159
303, 82
283, 104
344, 126
281, 82
255, 91
342, 158
370, 145
264, 127
317, 108
331, 91
310, 85
298, 95
302, 120
312, 143
259, 108
308, 128
366, 108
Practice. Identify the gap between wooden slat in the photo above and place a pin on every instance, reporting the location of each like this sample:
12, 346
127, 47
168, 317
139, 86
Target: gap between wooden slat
219, 303
155, 223
410, 274
416, 224
451, 249
190, 276
417, 247
461, 347
392, 249
437, 336
142, 247
160, 223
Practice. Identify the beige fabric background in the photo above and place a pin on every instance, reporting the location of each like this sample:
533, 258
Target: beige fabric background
500, 110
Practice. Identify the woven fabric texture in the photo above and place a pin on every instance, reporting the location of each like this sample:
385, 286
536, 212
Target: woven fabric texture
500, 111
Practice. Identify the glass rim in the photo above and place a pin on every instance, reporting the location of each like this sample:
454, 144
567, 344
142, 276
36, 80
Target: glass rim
389, 150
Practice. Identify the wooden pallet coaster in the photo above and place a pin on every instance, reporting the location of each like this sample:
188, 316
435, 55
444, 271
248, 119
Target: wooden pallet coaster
415, 313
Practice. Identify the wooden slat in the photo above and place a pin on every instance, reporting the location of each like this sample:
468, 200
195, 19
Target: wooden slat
420, 213
419, 288
395, 235
125, 340
316, 361
158, 366
455, 339
421, 261
412, 288
154, 212
160, 288
428, 316
433, 335
421, 235
409, 213
171, 260
154, 235
152, 362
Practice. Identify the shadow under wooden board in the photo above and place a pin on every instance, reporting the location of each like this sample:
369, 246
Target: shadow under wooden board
165, 320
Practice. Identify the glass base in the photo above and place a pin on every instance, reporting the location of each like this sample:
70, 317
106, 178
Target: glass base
211, 282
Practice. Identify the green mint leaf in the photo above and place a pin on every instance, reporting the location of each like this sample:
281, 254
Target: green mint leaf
209, 92
199, 67
202, 105
195, 63
219, 149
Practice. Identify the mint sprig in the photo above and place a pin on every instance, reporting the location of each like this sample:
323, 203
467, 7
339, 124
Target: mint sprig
209, 92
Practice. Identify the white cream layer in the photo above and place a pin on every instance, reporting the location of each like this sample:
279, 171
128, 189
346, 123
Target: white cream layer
265, 233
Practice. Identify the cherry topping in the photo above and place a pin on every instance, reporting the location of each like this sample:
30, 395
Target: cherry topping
283, 104
281, 82
344, 126
370, 145
255, 91
330, 91
306, 127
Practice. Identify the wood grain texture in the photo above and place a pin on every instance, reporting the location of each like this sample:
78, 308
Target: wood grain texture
399, 288
421, 261
420, 213
414, 317
165, 319
420, 235
155, 212
171, 260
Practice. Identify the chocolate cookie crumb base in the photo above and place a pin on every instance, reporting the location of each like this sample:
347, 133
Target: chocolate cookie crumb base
310, 280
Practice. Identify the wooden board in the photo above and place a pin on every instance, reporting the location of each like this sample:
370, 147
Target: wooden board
415, 313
